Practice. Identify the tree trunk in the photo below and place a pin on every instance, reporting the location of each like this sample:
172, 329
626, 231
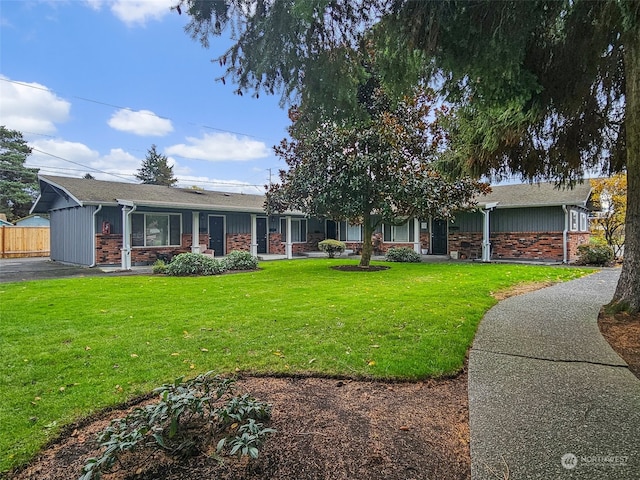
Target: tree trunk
627, 296
367, 243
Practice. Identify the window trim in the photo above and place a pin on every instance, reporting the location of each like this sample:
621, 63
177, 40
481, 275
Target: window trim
392, 233
144, 229
299, 221
574, 221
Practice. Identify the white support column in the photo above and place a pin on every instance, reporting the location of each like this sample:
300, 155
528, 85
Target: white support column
126, 238
289, 247
195, 232
486, 244
254, 235
416, 236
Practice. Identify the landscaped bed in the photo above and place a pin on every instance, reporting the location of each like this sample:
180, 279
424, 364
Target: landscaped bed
73, 347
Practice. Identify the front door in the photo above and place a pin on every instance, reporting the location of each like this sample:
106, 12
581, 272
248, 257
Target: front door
261, 234
216, 235
332, 230
439, 237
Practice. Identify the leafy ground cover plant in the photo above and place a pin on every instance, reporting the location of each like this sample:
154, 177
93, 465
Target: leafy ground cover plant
194, 264
239, 260
402, 254
104, 340
189, 416
332, 247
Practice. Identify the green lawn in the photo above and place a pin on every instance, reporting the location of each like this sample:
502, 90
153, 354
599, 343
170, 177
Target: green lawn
72, 347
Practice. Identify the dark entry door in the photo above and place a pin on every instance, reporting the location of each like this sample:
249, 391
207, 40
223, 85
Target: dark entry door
216, 235
439, 237
261, 234
332, 230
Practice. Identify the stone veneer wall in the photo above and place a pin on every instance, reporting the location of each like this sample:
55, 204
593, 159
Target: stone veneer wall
425, 240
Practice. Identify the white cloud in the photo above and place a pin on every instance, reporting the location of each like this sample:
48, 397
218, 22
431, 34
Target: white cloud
73, 159
31, 107
141, 122
220, 147
134, 12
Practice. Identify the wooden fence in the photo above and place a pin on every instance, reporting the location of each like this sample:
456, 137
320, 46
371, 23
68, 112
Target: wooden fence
24, 242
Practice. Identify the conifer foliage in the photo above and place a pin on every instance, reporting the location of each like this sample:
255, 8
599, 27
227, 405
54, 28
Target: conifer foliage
155, 169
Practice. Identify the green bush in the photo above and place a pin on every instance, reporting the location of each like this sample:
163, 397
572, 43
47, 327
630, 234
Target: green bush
194, 264
332, 247
239, 260
159, 267
402, 254
594, 254
208, 402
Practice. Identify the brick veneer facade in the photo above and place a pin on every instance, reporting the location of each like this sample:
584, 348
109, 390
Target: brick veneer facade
109, 250
518, 245
276, 247
238, 241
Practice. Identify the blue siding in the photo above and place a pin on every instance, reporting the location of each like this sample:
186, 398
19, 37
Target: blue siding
72, 238
238, 223
541, 219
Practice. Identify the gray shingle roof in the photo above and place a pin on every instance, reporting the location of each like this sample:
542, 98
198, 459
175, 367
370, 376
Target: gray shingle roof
91, 192
536, 194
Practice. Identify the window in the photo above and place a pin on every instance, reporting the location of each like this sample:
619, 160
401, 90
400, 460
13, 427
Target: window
155, 229
396, 233
298, 230
584, 223
574, 221
354, 233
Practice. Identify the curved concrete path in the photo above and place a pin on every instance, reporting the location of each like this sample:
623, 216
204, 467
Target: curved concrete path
548, 397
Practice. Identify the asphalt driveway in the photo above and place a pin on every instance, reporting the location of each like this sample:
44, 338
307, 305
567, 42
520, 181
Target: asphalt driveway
41, 268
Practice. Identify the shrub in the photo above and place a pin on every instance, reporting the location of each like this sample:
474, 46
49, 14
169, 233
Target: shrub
402, 254
332, 247
188, 417
238, 260
194, 264
594, 254
159, 267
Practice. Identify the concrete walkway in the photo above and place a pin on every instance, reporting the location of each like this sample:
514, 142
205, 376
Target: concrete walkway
548, 397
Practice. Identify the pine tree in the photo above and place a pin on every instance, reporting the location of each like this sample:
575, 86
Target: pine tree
18, 184
155, 170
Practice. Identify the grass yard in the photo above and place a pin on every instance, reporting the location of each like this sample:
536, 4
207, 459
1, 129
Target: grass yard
75, 346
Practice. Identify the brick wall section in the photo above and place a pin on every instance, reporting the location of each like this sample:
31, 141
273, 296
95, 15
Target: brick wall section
108, 250
518, 245
238, 241
425, 240
311, 245
576, 239
467, 244
276, 247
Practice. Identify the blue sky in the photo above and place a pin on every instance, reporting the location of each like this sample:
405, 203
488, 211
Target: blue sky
92, 84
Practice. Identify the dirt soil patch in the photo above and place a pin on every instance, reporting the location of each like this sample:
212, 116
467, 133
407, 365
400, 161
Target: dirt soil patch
326, 429
622, 331
358, 268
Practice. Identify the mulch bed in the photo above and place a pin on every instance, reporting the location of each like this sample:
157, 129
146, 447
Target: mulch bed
326, 429
358, 268
622, 331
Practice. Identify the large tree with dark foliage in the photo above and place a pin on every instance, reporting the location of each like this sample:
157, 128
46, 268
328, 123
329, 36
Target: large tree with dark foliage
544, 89
18, 184
369, 172
155, 169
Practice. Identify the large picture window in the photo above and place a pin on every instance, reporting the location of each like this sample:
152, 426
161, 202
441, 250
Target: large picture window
298, 230
350, 233
396, 233
155, 229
